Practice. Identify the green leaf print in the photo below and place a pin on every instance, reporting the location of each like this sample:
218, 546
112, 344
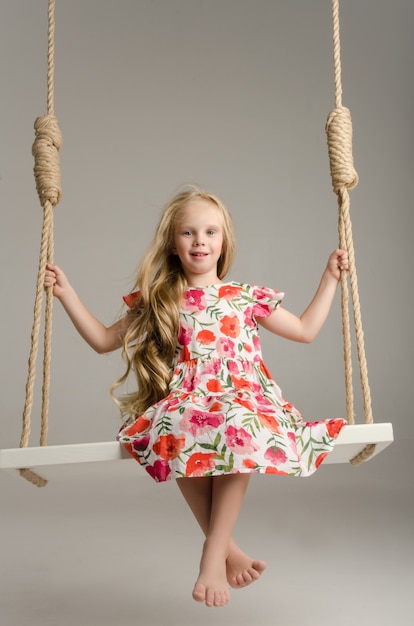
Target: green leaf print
228, 467
216, 312
217, 441
251, 424
310, 459
207, 446
164, 425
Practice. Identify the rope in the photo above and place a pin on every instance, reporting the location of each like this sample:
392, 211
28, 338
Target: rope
46, 146
344, 179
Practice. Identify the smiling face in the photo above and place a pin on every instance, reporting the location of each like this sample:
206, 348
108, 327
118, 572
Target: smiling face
198, 242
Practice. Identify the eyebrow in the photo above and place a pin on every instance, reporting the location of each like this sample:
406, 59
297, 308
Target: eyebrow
208, 227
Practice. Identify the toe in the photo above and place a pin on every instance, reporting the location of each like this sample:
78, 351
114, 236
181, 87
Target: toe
199, 593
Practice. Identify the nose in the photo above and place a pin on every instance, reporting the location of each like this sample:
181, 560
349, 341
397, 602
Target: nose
198, 241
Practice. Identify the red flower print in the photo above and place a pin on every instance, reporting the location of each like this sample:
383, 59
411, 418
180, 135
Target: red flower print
246, 403
185, 355
334, 427
320, 459
194, 300
249, 463
212, 367
199, 422
275, 455
138, 426
200, 463
230, 326
261, 310
216, 407
141, 444
274, 470
131, 300
291, 435
233, 367
240, 441
265, 370
206, 336
268, 299
168, 447
225, 347
184, 336
214, 385
268, 421
173, 404
289, 407
191, 379
128, 447
261, 399
160, 471
240, 383
249, 321
229, 292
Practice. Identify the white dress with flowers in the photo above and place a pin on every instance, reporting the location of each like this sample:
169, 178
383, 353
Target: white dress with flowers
224, 413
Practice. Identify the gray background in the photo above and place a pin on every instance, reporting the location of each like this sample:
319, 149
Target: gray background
232, 94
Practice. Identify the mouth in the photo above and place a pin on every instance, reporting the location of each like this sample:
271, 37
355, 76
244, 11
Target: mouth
199, 254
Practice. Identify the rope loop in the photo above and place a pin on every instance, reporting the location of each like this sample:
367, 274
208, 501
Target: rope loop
46, 146
339, 135
32, 477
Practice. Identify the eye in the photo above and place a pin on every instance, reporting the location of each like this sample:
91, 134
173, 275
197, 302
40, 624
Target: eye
187, 232
211, 232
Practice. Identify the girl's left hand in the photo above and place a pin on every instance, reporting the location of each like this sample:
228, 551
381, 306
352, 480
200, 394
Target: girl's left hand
338, 262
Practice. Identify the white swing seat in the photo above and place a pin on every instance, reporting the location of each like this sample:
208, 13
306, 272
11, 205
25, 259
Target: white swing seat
351, 440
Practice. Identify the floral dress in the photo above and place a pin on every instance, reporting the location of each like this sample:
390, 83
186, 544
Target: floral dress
224, 413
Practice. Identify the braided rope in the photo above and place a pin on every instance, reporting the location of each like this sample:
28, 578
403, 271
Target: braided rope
344, 179
46, 146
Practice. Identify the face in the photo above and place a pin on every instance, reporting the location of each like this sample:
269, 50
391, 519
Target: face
198, 241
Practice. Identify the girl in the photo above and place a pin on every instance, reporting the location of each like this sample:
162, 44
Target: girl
206, 410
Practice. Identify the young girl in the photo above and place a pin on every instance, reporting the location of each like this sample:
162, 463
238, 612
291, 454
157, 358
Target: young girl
207, 411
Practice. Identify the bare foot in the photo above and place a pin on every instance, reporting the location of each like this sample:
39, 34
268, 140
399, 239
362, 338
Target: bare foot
211, 586
241, 569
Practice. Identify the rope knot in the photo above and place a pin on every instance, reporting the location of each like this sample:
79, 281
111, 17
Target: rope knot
45, 149
339, 134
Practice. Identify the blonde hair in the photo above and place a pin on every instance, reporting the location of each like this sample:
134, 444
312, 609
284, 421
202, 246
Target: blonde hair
150, 342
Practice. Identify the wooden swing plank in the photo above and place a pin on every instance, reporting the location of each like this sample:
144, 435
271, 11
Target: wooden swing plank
351, 440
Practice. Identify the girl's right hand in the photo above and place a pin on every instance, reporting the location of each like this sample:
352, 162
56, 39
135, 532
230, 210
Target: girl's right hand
55, 278
101, 338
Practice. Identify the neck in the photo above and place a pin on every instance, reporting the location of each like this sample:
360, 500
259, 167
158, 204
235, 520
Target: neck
202, 280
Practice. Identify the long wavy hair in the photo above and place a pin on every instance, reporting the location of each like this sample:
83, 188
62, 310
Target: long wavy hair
152, 326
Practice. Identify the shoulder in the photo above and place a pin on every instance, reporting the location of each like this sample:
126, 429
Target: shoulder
266, 300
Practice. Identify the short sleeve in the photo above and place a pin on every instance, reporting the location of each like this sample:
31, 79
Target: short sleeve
266, 301
131, 300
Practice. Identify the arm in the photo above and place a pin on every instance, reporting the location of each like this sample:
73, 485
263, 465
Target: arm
101, 338
306, 327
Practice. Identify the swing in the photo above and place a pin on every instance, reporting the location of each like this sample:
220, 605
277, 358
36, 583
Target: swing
356, 442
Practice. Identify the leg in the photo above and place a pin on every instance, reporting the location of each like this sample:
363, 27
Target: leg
225, 495
241, 569
226, 499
